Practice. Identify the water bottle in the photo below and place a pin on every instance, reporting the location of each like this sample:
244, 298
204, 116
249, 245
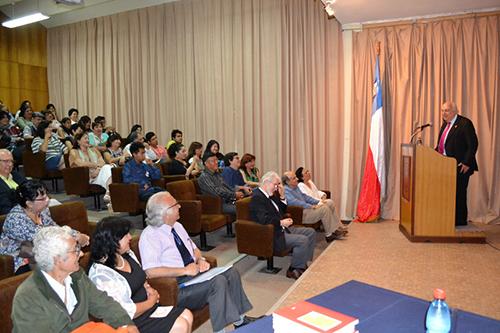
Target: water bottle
438, 319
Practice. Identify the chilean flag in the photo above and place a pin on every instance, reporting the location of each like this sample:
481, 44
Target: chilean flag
373, 184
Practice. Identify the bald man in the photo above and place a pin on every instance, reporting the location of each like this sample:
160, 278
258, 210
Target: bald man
457, 139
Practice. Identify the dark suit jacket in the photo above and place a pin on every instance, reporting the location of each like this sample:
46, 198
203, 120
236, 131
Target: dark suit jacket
263, 211
7, 195
461, 142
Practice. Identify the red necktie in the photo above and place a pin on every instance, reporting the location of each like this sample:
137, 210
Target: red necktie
443, 137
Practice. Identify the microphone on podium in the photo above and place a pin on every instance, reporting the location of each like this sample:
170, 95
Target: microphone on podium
418, 130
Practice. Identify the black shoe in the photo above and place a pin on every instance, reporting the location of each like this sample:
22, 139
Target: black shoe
293, 273
247, 320
336, 235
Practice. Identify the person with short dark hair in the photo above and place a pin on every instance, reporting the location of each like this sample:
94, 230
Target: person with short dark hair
232, 175
194, 156
29, 131
25, 115
115, 269
73, 115
29, 215
212, 183
48, 142
114, 153
135, 171
97, 138
85, 123
178, 165
175, 137
155, 151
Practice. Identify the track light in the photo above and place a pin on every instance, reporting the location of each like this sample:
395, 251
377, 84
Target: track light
28, 19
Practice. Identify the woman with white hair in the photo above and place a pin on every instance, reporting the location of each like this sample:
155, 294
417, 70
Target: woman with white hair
58, 296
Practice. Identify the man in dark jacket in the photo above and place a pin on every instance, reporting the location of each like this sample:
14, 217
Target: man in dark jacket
9, 181
265, 208
457, 139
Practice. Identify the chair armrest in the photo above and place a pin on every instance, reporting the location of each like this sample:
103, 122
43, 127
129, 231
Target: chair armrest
167, 288
190, 215
210, 204
254, 239
6, 266
296, 214
76, 180
124, 197
173, 178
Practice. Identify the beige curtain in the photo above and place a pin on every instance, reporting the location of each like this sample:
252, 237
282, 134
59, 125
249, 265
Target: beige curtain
260, 76
422, 65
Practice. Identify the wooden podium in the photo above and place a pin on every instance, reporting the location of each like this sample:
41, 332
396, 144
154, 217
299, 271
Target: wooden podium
427, 203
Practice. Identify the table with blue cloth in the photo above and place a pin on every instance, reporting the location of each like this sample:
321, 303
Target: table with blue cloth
384, 311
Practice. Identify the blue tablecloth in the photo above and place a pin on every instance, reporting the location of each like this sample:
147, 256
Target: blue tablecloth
384, 311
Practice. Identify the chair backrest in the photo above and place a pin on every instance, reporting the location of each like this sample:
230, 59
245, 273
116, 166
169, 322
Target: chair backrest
117, 175
8, 289
196, 186
72, 214
182, 190
76, 180
243, 209
34, 164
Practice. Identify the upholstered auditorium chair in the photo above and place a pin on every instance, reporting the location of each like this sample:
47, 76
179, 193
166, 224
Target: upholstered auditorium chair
169, 178
34, 167
77, 181
169, 289
199, 213
255, 239
125, 197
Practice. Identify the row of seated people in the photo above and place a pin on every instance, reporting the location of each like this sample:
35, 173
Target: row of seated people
114, 269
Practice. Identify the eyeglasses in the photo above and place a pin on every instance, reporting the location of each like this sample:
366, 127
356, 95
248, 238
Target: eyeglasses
175, 204
77, 249
7, 161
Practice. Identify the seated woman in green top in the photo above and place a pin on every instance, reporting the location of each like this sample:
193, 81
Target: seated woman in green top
251, 174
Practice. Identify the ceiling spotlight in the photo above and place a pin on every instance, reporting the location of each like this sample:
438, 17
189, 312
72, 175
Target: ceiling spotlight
329, 7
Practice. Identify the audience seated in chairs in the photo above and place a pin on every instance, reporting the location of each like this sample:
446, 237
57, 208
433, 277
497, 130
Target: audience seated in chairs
114, 153
24, 220
232, 176
266, 208
314, 210
9, 181
194, 156
10, 135
115, 269
179, 257
135, 171
175, 137
97, 138
178, 165
212, 183
48, 142
83, 155
59, 296
251, 174
155, 151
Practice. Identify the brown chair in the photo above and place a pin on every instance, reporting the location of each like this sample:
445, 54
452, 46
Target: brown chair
77, 181
8, 289
168, 288
125, 197
168, 177
255, 239
34, 167
197, 213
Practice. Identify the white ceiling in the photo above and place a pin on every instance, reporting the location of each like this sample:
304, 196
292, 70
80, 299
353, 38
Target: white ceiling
346, 11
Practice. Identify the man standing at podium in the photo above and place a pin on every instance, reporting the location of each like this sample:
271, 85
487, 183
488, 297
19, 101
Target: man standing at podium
457, 139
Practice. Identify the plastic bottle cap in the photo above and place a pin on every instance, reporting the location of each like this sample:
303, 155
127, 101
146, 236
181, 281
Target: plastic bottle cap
439, 294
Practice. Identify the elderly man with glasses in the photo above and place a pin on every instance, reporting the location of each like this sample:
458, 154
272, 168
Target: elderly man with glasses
167, 251
58, 296
267, 208
9, 181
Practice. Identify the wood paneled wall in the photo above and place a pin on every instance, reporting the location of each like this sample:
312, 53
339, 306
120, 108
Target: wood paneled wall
23, 66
